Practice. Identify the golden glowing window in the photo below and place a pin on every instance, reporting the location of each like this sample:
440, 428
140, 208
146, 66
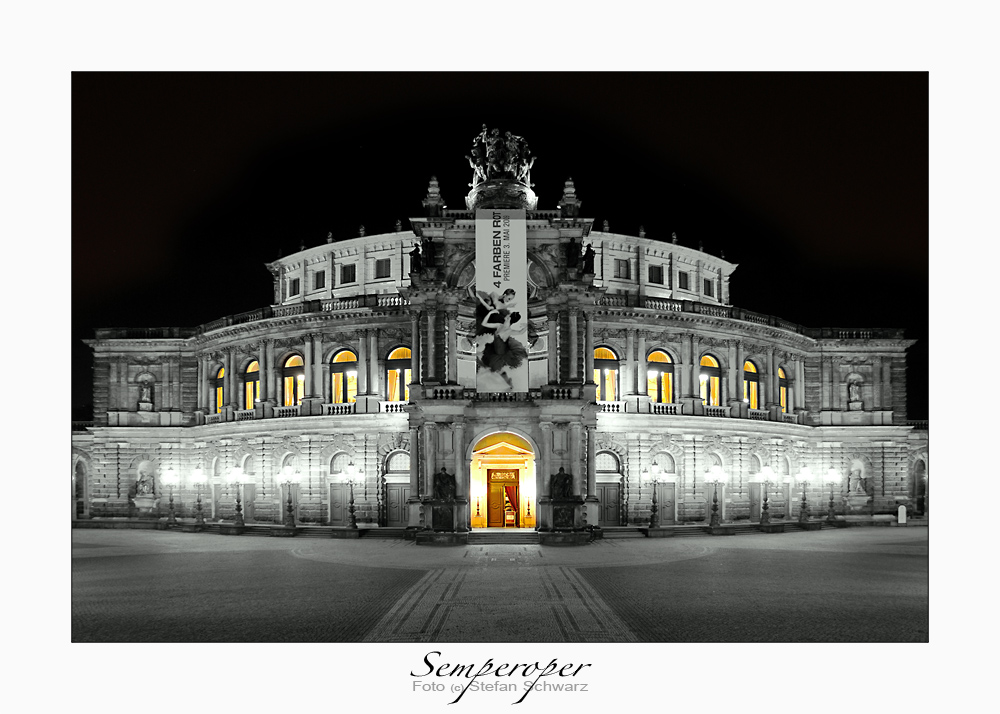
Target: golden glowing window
344, 376
751, 388
293, 381
220, 381
251, 385
660, 377
782, 389
708, 377
398, 374
606, 374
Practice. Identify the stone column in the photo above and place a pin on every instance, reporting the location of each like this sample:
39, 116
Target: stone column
772, 379
200, 377
591, 462
373, 361
629, 381
414, 462
543, 508
231, 382
877, 383
695, 365
461, 471
415, 347
640, 370
835, 385
886, 384
573, 346
307, 387
273, 373
430, 454
588, 349
432, 374
553, 347
363, 363
264, 368
452, 316
318, 388
576, 449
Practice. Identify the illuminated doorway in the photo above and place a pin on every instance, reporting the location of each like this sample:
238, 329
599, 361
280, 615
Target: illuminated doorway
502, 483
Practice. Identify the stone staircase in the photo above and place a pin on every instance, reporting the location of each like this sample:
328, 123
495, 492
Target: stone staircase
509, 537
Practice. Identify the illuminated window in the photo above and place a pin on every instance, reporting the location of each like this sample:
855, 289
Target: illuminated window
220, 392
293, 287
708, 377
622, 269
294, 381
751, 385
383, 268
660, 377
251, 385
319, 279
656, 274
344, 374
682, 281
347, 274
606, 374
782, 389
397, 375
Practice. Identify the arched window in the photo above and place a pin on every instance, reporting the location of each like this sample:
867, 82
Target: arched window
606, 374
398, 463
664, 462
294, 380
220, 390
251, 385
782, 389
751, 385
397, 375
606, 463
338, 464
708, 376
660, 377
344, 377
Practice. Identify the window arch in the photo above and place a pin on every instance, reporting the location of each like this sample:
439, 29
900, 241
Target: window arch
339, 462
782, 389
751, 385
665, 462
660, 377
220, 389
251, 385
398, 375
606, 374
398, 463
606, 462
708, 377
294, 382
344, 377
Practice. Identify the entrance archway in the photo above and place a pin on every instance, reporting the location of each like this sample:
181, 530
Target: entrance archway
502, 491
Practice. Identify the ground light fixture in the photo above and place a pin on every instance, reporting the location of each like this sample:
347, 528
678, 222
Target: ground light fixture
765, 478
805, 476
353, 477
654, 516
833, 478
171, 479
235, 479
715, 476
199, 480
289, 477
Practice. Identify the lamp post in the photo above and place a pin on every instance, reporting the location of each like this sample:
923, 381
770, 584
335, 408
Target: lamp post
171, 479
290, 477
654, 516
765, 478
805, 476
235, 479
353, 476
715, 476
833, 478
199, 479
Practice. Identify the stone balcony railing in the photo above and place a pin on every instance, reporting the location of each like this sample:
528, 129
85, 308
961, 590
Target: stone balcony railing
283, 412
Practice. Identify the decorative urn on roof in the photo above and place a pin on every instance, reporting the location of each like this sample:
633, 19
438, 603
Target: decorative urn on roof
501, 168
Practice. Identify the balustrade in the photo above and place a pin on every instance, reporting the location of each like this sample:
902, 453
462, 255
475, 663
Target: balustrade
758, 414
612, 407
392, 407
244, 415
281, 412
716, 411
339, 409
213, 418
668, 409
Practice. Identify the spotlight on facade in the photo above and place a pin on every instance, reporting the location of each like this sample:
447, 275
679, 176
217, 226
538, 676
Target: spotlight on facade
171, 479
715, 476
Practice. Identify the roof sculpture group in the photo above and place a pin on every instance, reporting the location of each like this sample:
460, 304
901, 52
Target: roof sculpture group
495, 157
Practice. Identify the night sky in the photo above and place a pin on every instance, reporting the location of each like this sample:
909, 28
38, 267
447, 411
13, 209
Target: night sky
184, 185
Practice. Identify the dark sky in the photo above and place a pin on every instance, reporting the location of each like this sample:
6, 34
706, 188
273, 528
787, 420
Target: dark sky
184, 185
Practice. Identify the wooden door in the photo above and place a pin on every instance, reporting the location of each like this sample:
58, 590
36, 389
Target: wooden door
609, 511
494, 506
397, 495
755, 502
665, 496
338, 504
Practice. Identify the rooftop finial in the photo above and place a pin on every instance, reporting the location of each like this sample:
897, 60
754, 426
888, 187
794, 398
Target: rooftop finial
433, 201
361, 230
673, 237
642, 231
606, 226
329, 237
501, 172
569, 204
399, 225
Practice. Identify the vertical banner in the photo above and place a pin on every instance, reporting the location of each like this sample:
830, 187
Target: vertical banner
501, 300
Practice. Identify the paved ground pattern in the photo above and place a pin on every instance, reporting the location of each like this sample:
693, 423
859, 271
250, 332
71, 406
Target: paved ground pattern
853, 585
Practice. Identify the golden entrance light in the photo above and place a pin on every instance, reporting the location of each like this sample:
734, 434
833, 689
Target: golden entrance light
171, 479
198, 479
235, 479
765, 478
834, 478
715, 476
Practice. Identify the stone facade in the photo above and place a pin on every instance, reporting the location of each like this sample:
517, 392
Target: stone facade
156, 390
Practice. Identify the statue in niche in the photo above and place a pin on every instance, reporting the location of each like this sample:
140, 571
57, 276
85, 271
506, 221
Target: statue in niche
562, 484
145, 392
415, 260
854, 391
572, 253
588, 260
857, 479
145, 484
444, 486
